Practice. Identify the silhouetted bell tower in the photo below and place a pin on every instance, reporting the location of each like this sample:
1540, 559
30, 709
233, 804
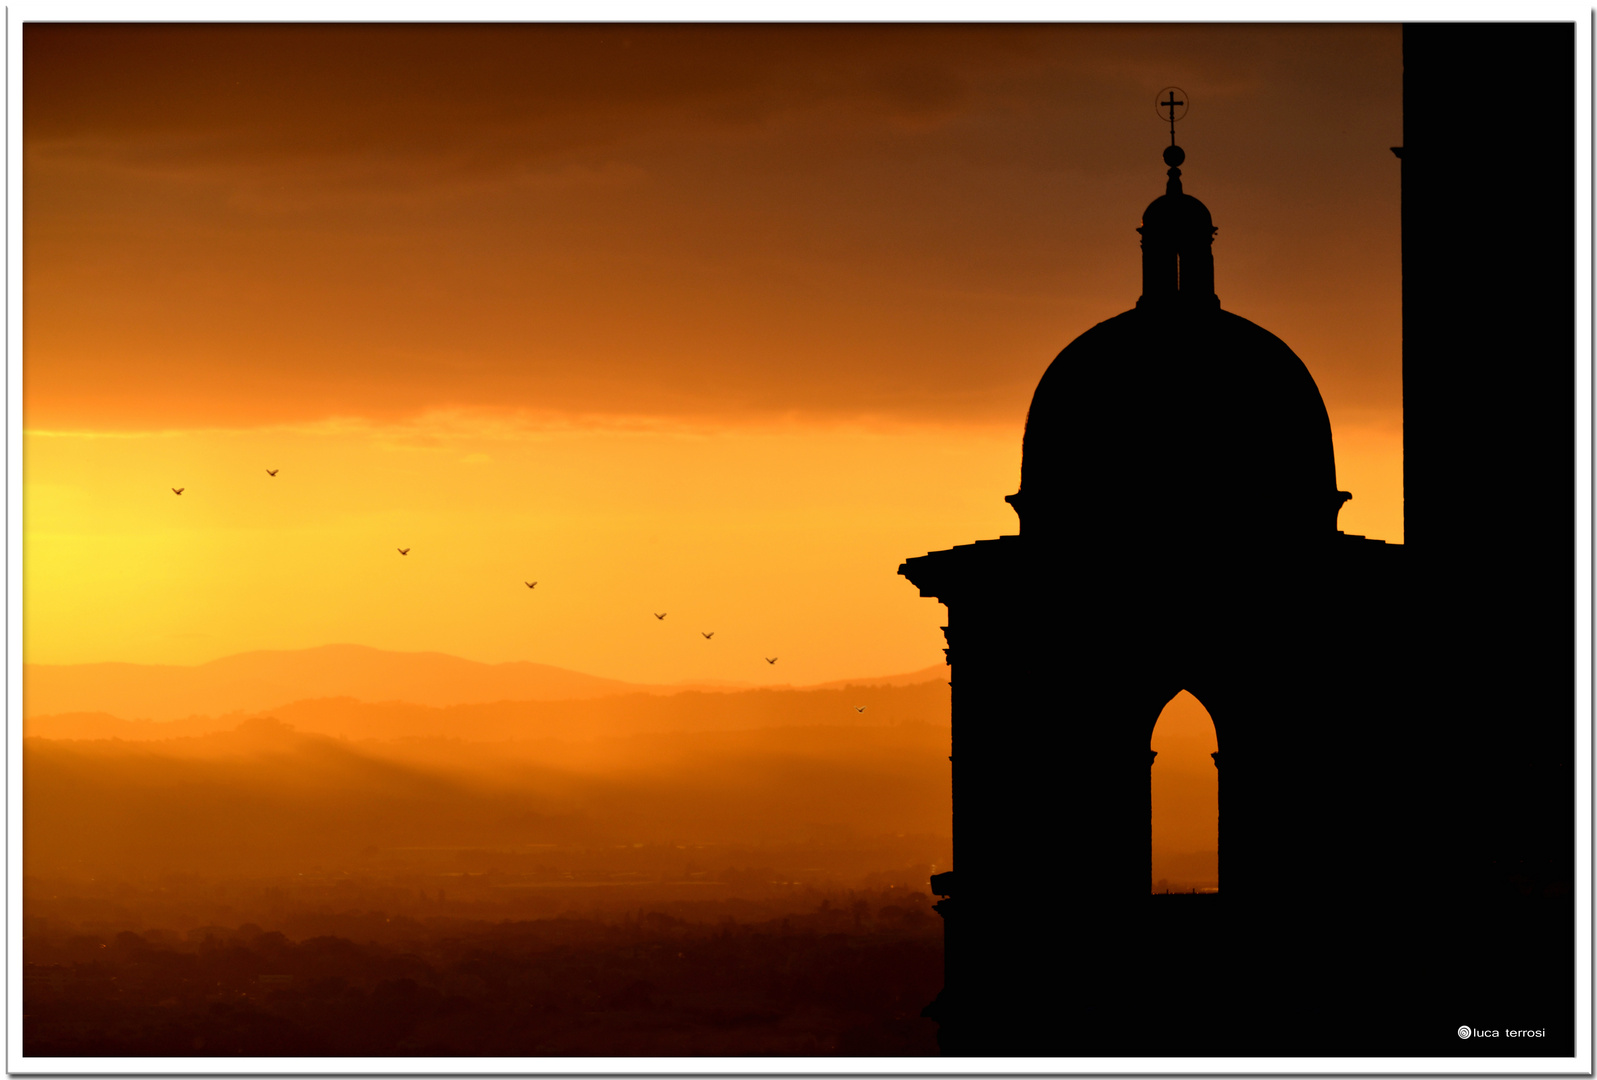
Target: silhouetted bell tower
1178, 506
1398, 721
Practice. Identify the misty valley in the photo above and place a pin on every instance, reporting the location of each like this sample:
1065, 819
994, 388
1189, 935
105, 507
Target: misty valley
697, 873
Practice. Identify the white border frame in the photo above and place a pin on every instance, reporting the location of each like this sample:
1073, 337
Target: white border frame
800, 11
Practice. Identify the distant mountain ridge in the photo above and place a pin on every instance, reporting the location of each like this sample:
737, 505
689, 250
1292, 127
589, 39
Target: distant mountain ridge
268, 793
255, 681
613, 716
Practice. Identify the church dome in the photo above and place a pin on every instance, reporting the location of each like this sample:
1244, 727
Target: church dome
1178, 419
1177, 210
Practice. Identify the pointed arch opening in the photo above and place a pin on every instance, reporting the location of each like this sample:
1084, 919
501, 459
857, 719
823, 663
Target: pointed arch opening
1184, 793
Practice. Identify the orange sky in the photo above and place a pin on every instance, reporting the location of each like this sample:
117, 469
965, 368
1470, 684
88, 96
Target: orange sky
719, 321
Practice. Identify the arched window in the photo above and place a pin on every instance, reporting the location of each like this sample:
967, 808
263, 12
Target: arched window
1184, 788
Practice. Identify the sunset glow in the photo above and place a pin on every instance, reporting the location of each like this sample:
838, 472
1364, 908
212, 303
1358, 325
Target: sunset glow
520, 557
466, 470
721, 321
780, 540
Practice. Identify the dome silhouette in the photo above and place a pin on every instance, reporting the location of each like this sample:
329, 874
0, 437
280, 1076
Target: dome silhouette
1166, 424
1177, 421
1177, 210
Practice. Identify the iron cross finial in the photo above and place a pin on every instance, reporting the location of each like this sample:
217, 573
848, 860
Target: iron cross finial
1166, 103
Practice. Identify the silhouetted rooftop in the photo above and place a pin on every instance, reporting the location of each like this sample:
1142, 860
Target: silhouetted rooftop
1177, 419
1177, 210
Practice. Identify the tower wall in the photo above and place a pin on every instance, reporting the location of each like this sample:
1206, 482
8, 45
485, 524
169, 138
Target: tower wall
1489, 424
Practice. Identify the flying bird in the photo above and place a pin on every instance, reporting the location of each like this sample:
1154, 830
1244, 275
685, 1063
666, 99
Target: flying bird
771, 659
271, 472
177, 491
659, 614
530, 584
404, 551
859, 708
708, 636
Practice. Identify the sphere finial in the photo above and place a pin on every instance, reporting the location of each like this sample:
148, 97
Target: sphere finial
1171, 104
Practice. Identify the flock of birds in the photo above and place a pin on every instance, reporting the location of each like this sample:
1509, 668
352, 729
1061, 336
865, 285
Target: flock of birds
707, 635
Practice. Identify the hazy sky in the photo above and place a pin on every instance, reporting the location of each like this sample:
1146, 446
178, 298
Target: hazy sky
718, 321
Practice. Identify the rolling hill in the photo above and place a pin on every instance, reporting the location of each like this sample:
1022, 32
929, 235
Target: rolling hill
257, 681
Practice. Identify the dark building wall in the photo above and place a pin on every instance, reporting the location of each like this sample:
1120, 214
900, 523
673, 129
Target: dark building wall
1488, 164
1489, 510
